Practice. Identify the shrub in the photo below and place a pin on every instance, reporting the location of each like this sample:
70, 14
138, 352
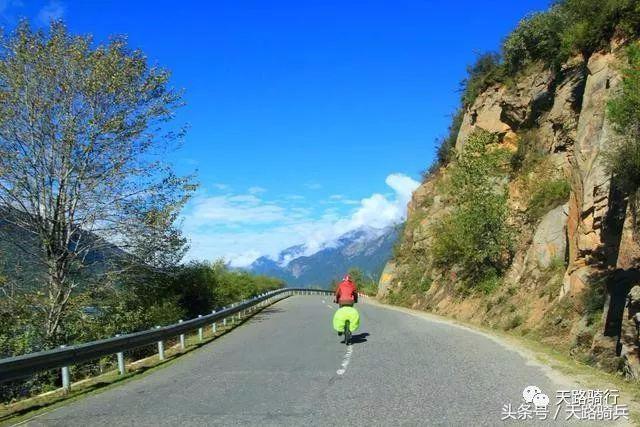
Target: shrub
570, 26
537, 37
591, 24
161, 298
549, 194
445, 147
489, 283
515, 322
593, 299
485, 71
623, 161
528, 153
475, 236
413, 282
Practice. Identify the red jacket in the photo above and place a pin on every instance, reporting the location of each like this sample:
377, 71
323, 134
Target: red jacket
346, 292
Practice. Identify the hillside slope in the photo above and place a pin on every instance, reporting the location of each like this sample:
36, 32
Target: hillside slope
573, 252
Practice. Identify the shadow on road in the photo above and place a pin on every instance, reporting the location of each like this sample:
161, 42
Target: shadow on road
359, 338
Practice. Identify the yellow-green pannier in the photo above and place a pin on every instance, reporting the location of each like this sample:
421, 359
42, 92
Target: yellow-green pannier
343, 314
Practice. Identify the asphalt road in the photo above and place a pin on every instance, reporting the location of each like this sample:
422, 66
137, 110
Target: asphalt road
287, 367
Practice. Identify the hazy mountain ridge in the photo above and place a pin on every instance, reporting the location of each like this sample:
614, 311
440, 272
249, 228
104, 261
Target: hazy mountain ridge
366, 248
19, 249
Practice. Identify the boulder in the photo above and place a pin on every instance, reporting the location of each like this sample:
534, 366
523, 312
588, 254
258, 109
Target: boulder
549, 240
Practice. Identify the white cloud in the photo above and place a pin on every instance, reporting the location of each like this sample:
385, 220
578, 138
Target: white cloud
247, 209
403, 185
52, 11
242, 227
256, 190
220, 186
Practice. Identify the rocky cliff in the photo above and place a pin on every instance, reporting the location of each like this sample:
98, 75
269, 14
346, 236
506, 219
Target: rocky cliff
575, 260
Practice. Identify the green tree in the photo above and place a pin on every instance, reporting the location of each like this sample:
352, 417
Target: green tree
537, 37
591, 24
83, 131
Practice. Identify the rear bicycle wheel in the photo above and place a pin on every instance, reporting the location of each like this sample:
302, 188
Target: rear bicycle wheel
347, 333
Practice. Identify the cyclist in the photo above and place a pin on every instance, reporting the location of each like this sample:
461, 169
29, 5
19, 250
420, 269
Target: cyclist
346, 292
346, 296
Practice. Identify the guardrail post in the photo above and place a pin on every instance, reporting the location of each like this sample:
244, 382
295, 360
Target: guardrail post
160, 348
120, 356
213, 325
200, 330
181, 338
66, 378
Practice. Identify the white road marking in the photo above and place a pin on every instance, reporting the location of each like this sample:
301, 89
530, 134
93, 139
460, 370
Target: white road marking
345, 360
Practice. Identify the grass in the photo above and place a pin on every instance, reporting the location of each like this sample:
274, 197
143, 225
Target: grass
587, 375
548, 195
552, 277
22, 410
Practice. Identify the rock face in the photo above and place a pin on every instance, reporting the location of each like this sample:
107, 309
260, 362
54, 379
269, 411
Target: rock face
503, 110
629, 335
550, 240
591, 238
385, 279
590, 202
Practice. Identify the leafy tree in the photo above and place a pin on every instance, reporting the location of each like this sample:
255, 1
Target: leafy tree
591, 24
537, 37
82, 132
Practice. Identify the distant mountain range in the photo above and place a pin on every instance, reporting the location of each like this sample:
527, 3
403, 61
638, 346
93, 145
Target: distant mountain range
19, 263
366, 248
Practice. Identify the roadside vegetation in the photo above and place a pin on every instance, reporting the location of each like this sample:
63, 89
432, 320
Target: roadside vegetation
90, 244
475, 237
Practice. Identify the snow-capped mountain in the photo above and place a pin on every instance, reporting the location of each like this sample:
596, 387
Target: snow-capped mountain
366, 248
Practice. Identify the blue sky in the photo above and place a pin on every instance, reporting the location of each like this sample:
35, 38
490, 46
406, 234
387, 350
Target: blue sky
307, 118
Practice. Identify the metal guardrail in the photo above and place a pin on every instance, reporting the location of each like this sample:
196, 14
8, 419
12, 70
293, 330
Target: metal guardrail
22, 366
